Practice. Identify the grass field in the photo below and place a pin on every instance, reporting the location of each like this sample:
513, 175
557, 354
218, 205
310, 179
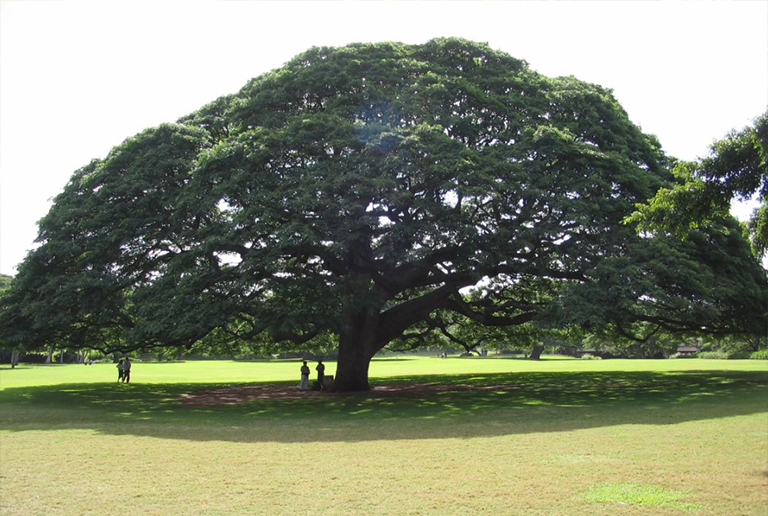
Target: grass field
555, 437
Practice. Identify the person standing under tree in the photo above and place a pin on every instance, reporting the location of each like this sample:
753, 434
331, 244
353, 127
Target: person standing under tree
320, 373
304, 386
120, 370
127, 371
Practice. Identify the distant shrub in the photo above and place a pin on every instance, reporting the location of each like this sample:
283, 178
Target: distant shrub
716, 355
685, 355
759, 355
723, 355
589, 356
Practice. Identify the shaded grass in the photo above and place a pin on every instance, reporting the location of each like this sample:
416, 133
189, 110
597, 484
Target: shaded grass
561, 400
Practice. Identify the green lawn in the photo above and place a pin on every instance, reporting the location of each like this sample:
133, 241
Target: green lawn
555, 437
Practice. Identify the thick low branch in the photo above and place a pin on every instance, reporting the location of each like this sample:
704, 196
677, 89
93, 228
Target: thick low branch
486, 318
397, 319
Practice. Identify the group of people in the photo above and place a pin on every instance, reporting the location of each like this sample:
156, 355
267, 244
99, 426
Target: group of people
304, 385
124, 373
124, 370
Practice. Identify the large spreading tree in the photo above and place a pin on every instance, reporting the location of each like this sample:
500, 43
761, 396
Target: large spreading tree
367, 192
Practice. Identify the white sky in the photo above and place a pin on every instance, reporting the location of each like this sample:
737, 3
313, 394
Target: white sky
79, 77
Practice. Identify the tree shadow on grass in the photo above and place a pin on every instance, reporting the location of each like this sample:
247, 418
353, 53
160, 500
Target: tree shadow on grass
479, 405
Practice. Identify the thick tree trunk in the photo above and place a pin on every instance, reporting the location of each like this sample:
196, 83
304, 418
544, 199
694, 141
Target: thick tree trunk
358, 342
351, 369
536, 353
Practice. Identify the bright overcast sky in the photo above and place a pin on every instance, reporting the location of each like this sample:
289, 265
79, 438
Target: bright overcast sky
79, 77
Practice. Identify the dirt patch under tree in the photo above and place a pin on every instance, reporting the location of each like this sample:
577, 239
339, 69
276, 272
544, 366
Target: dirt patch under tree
235, 395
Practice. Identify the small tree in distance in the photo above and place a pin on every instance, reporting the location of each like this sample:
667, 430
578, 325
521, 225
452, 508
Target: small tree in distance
362, 191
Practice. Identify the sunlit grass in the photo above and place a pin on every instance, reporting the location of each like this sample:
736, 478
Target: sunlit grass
558, 437
227, 371
639, 494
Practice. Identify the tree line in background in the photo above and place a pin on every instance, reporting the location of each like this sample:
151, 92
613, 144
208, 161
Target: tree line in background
529, 345
386, 196
466, 340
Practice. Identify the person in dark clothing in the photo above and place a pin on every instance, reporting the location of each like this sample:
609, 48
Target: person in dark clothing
320, 373
120, 370
127, 371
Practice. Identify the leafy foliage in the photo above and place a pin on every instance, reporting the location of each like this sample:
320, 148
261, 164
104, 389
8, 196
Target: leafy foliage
362, 192
737, 167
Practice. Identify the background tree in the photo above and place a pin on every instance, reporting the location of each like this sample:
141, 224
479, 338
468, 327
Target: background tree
497, 296
710, 275
358, 191
12, 355
737, 168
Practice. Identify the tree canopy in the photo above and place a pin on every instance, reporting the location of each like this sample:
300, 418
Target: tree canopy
736, 168
364, 191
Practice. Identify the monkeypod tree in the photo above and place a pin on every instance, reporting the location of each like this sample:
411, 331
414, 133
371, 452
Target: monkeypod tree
356, 191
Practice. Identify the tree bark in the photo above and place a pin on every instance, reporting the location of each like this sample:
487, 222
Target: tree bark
536, 353
359, 340
351, 369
